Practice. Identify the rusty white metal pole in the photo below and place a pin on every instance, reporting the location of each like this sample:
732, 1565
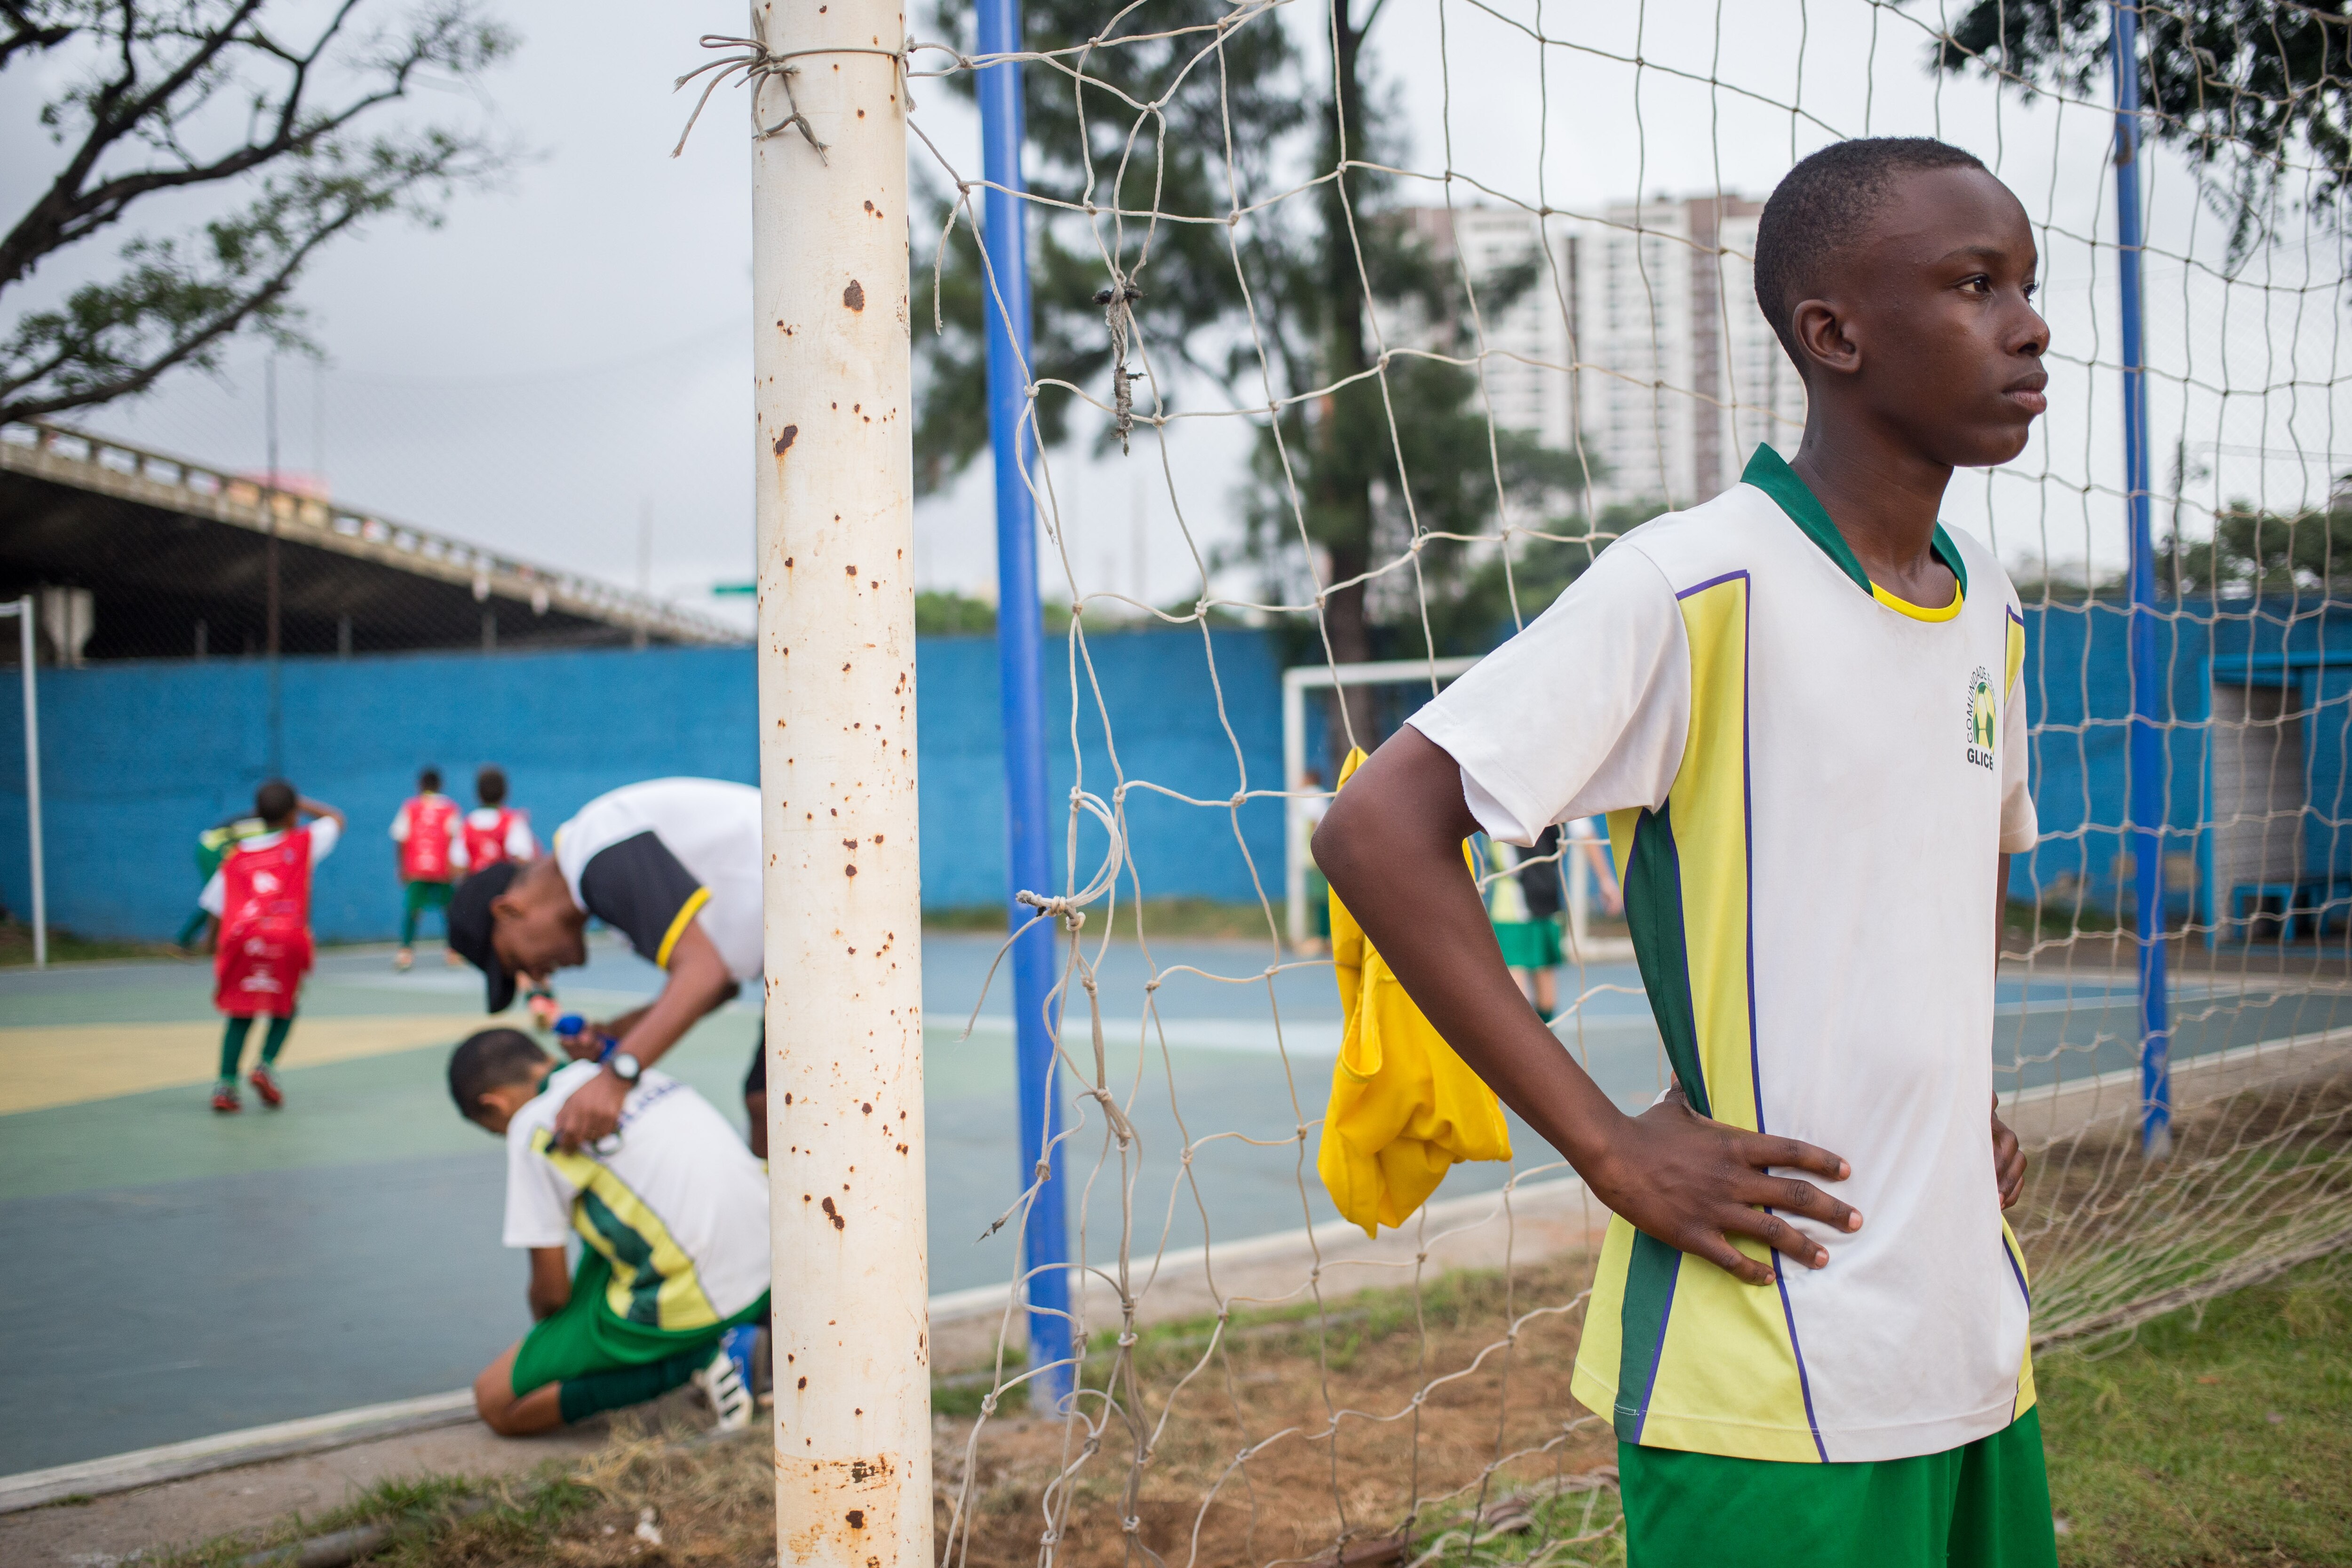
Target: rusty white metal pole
836, 659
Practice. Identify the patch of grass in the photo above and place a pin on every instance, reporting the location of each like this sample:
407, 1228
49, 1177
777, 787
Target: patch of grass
427, 1517
2217, 1436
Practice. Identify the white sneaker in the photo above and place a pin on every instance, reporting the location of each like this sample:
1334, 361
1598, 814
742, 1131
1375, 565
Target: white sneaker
722, 1383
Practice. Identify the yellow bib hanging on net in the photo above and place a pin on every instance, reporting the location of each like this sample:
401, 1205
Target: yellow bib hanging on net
1404, 1109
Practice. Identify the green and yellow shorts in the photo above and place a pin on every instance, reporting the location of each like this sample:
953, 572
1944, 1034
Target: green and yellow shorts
586, 1337
1984, 1504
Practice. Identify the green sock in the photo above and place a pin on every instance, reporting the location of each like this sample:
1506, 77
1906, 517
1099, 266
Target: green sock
233, 1047
274, 1040
580, 1397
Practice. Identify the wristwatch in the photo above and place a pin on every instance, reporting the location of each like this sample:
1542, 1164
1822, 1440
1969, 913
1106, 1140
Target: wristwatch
625, 1066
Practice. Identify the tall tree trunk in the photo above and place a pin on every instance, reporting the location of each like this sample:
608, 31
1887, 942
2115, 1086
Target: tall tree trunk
1343, 491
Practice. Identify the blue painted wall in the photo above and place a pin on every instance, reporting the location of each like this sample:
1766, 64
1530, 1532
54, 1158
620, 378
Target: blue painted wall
2079, 691
138, 758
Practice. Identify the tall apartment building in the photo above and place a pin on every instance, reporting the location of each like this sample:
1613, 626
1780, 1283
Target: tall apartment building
1640, 340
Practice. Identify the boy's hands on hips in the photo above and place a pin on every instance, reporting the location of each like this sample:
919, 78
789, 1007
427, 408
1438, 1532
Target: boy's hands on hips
1695, 1183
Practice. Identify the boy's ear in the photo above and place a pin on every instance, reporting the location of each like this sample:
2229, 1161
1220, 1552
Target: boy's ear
1821, 334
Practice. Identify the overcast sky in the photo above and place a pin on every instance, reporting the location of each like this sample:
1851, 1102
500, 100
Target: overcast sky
561, 369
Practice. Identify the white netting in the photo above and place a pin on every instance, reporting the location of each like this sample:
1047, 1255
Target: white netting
1434, 352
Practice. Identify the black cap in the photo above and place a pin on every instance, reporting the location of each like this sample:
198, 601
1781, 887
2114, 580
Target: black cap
469, 928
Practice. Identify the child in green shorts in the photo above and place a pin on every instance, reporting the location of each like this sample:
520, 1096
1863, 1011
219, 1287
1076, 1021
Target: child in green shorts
672, 1212
1800, 705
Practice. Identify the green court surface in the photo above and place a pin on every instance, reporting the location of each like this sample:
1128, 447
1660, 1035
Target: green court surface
177, 1273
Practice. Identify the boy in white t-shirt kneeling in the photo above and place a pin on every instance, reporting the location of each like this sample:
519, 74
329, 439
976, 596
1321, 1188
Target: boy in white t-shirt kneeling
672, 1210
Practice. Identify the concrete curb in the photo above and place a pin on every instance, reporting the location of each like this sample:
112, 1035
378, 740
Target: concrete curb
176, 1462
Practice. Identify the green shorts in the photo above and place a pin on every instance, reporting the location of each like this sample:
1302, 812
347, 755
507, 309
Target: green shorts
425, 898
586, 1338
1984, 1504
1529, 944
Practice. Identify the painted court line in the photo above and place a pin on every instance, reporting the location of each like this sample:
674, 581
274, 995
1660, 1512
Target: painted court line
73, 1063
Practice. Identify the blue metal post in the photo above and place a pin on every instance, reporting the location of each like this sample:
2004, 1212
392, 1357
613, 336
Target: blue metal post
1020, 636
2145, 761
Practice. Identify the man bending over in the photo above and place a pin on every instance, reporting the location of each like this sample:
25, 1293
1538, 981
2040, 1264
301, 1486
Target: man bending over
673, 866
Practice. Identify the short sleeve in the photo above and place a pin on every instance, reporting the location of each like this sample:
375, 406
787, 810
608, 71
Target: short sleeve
539, 1200
2019, 827
459, 858
1584, 712
520, 845
325, 834
400, 824
639, 889
214, 897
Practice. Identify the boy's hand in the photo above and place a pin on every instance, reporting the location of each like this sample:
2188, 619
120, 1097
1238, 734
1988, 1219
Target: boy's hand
2008, 1159
1695, 1183
593, 1111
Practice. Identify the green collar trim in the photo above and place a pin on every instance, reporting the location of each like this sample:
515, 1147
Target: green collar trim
1768, 472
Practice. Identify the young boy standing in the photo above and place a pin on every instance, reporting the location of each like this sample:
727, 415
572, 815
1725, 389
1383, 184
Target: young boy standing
1773, 697
260, 894
496, 831
672, 1212
432, 850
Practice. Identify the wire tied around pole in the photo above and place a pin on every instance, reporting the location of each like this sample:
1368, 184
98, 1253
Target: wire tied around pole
757, 64
1118, 302
1068, 908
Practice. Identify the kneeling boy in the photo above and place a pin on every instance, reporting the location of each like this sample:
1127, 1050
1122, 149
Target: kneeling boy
673, 1209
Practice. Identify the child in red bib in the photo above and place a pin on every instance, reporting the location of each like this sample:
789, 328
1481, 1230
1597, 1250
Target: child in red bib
430, 837
261, 897
496, 831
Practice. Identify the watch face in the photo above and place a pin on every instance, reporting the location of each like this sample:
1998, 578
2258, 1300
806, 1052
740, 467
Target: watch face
625, 1066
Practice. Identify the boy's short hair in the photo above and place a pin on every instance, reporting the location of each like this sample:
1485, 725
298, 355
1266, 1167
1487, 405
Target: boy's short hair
490, 785
428, 779
274, 801
1819, 205
488, 1059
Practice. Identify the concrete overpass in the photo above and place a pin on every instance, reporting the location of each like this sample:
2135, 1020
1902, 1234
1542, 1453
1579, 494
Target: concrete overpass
177, 558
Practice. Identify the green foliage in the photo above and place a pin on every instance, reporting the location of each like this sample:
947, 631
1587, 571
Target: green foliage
950, 613
1086, 147
2242, 88
2270, 553
209, 97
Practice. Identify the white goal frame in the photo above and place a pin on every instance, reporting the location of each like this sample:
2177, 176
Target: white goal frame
1296, 682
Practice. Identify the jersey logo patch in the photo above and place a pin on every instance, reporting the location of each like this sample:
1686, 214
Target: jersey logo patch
1980, 719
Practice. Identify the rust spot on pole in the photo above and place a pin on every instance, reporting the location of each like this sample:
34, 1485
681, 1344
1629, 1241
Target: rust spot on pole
855, 295
791, 433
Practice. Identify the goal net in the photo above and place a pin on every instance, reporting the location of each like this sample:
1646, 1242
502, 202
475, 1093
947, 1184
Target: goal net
1403, 313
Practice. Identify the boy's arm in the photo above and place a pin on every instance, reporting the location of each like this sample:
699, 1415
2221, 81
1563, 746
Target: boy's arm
698, 981
1392, 846
550, 1283
321, 808
2007, 1155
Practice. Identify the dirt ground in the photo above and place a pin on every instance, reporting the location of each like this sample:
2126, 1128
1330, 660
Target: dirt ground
1279, 1439
1258, 1450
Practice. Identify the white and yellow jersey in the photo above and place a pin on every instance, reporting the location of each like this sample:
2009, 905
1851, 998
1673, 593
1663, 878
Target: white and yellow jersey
1808, 784
675, 1201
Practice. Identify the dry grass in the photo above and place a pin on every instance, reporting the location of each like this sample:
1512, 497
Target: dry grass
1282, 1440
